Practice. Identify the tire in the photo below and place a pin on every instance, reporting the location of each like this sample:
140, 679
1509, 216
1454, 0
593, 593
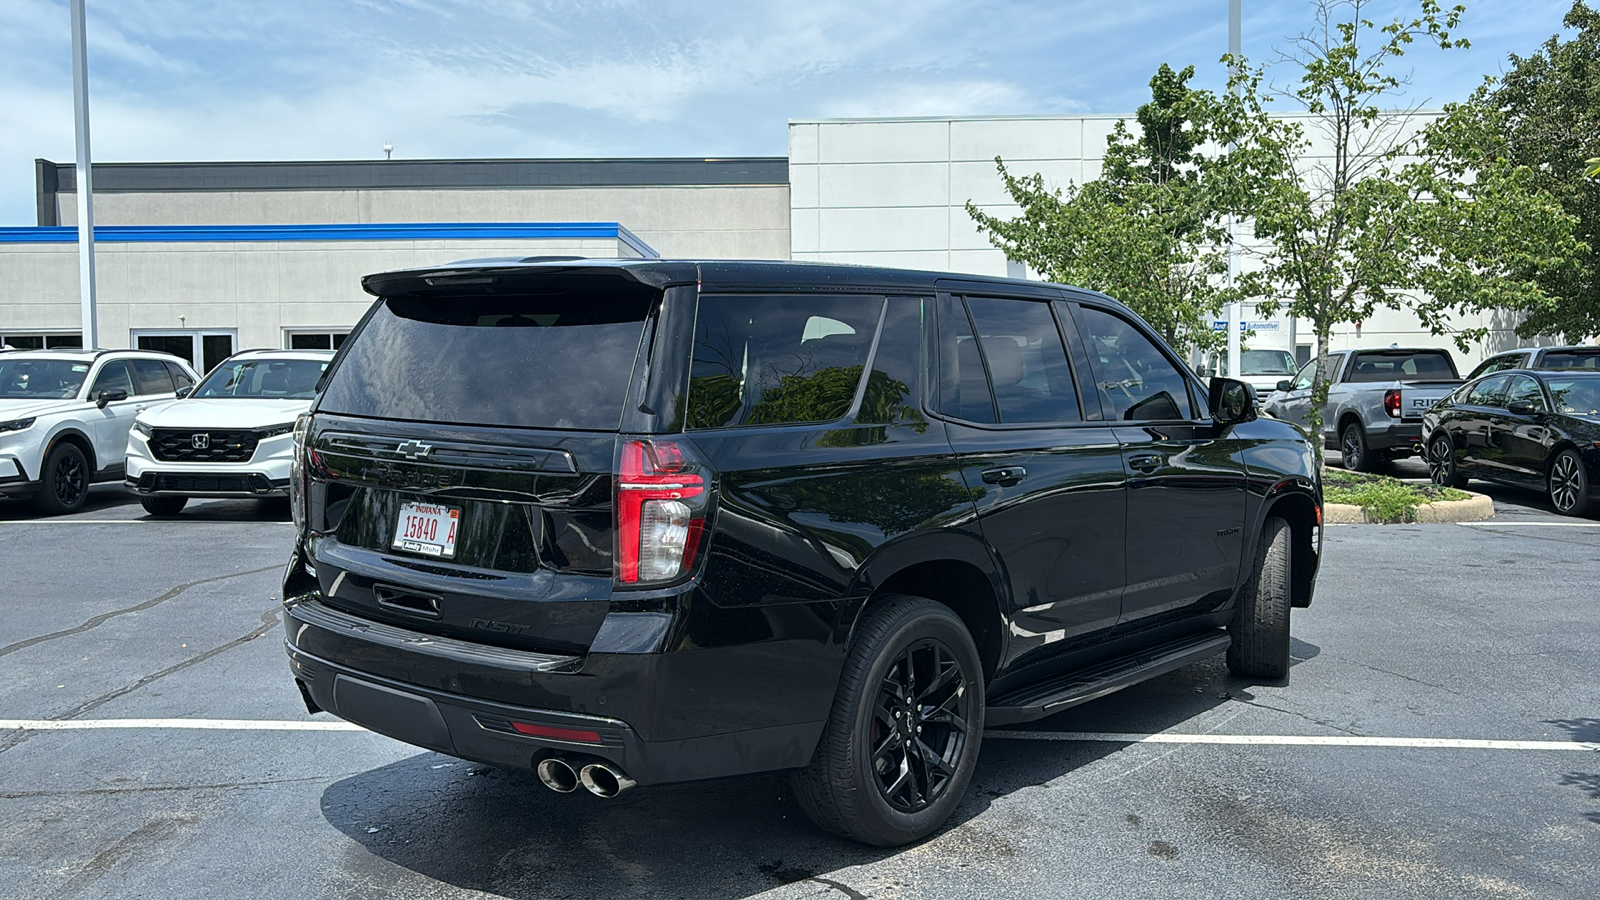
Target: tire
1441, 459
1260, 626
163, 505
1569, 484
900, 642
1353, 445
64, 481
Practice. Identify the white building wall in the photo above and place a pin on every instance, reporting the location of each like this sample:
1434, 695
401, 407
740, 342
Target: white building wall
893, 192
259, 288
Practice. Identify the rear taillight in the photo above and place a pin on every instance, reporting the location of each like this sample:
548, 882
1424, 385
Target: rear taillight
1391, 403
661, 507
297, 471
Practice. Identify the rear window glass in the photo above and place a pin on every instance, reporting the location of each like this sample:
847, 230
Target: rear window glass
1395, 366
558, 360
1571, 359
778, 360
1577, 396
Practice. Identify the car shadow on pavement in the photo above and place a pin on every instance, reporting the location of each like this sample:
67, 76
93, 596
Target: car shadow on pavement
502, 832
101, 497
1587, 730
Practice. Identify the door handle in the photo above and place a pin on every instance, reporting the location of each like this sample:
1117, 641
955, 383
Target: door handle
1145, 462
1005, 476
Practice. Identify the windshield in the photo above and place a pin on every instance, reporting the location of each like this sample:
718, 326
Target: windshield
1571, 359
1576, 396
41, 379
1266, 362
275, 379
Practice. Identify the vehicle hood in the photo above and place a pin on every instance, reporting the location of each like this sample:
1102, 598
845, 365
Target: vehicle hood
240, 413
22, 409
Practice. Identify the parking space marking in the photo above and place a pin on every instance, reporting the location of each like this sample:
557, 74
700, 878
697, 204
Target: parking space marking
1282, 740
1292, 740
1493, 524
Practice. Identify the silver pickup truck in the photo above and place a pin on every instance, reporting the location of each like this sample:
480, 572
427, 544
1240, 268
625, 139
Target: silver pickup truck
1375, 402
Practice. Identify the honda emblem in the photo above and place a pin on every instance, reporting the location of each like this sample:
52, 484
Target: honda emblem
200, 441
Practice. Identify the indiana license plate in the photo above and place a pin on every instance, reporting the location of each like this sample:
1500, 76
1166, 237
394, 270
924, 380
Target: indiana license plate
427, 528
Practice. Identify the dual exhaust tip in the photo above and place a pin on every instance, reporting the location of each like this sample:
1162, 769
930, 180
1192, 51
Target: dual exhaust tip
600, 778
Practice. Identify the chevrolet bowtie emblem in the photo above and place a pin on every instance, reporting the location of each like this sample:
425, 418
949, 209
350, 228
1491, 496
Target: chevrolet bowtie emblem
414, 449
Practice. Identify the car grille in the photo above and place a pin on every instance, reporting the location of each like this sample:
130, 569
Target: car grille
237, 484
179, 445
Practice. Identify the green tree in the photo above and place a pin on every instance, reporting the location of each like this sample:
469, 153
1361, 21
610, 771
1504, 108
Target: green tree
1146, 232
1549, 104
1373, 213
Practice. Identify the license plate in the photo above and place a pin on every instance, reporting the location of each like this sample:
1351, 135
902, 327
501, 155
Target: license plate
427, 528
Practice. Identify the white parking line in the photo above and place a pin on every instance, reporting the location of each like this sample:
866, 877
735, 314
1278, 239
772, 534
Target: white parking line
1491, 524
1290, 740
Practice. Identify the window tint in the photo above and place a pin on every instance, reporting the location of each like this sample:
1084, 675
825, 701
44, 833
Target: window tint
778, 360
1135, 380
1525, 389
1488, 391
1571, 359
1027, 362
891, 396
180, 378
113, 377
1578, 395
152, 376
553, 360
963, 386
1395, 365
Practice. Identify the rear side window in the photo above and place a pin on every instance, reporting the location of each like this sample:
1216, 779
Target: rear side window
778, 359
1027, 361
557, 360
180, 378
152, 376
1488, 391
1398, 365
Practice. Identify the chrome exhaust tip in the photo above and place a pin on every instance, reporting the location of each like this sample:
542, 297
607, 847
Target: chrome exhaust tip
604, 781
558, 775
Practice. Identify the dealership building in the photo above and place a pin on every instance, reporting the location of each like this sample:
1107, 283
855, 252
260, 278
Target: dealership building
203, 259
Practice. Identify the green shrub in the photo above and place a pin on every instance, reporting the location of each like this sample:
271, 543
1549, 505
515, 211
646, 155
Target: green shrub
1384, 499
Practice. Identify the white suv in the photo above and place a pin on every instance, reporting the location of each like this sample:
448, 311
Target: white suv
231, 437
65, 415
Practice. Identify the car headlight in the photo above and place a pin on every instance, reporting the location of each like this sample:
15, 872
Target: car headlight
276, 430
17, 424
142, 427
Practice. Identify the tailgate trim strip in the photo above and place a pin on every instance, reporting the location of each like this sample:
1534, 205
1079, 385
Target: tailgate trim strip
320, 615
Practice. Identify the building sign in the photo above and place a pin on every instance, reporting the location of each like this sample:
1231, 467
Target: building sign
1220, 325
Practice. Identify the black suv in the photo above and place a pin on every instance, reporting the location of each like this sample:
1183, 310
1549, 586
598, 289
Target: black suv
635, 522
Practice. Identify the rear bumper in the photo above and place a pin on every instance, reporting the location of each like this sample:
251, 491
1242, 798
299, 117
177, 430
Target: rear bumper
462, 699
1405, 436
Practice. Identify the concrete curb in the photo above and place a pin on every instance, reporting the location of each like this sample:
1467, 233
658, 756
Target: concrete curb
1473, 509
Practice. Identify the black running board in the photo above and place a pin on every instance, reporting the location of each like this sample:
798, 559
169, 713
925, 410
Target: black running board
1048, 697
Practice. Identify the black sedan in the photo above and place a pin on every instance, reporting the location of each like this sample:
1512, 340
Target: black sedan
1533, 429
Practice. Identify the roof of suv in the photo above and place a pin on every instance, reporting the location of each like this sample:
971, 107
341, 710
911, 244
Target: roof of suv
283, 354
74, 353
660, 273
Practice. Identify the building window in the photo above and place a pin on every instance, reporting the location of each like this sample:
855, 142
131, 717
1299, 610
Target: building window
41, 341
314, 340
202, 349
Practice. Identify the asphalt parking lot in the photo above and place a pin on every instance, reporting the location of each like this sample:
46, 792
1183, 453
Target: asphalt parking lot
1438, 738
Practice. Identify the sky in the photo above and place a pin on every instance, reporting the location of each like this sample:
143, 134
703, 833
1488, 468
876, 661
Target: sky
199, 80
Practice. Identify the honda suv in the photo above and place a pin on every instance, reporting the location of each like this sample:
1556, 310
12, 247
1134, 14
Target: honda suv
636, 522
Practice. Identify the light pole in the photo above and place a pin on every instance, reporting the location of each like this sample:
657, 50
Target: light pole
85, 181
1235, 308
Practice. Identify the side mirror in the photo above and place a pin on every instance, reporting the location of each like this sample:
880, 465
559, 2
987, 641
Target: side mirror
105, 397
1232, 402
1285, 385
1520, 408
185, 391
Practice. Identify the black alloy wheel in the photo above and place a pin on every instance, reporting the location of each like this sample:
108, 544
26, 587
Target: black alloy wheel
918, 731
1441, 458
902, 740
1569, 484
1353, 445
66, 481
